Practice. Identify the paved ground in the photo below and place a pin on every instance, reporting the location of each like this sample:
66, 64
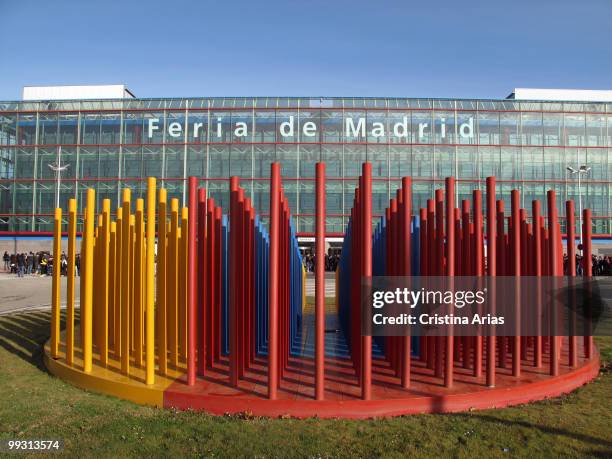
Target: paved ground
28, 292
35, 291
330, 287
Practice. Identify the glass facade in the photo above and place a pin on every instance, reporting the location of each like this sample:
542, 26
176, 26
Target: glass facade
112, 144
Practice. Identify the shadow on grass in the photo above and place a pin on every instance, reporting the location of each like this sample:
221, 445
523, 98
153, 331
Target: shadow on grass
549, 430
24, 334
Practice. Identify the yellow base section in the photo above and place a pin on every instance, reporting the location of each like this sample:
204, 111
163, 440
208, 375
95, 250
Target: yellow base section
109, 379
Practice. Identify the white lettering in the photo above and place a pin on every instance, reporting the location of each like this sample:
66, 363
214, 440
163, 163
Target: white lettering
422, 127
218, 127
467, 129
175, 129
401, 129
153, 126
309, 129
286, 128
241, 129
196, 129
378, 129
352, 131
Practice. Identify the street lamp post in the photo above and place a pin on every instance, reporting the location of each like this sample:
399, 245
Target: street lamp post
58, 168
582, 170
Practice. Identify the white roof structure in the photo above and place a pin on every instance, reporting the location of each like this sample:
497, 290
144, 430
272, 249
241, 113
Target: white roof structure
109, 91
578, 95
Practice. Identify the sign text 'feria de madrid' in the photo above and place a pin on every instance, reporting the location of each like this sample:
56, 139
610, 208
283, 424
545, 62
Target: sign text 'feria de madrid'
353, 128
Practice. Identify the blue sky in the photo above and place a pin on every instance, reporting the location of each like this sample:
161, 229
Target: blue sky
441, 48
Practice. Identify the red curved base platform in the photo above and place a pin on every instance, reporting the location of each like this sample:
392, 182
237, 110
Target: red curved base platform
426, 395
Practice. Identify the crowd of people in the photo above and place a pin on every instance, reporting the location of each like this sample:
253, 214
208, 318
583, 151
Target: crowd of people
331, 261
42, 263
601, 265
37, 264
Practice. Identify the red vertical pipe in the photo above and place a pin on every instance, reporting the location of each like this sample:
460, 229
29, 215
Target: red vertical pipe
502, 269
366, 250
450, 272
439, 260
516, 271
406, 211
466, 254
524, 263
537, 271
273, 282
320, 283
553, 261
218, 281
213, 268
233, 282
192, 285
478, 271
423, 242
492, 272
431, 271
588, 272
240, 287
202, 281
248, 268
394, 262
423, 270
571, 272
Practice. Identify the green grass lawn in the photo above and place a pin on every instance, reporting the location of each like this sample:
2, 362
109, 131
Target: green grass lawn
34, 404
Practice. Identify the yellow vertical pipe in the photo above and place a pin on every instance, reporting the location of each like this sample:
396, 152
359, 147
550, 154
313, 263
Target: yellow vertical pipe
125, 283
104, 280
132, 312
98, 284
183, 281
81, 276
172, 274
55, 301
70, 282
112, 266
95, 288
118, 268
138, 290
162, 252
86, 321
149, 283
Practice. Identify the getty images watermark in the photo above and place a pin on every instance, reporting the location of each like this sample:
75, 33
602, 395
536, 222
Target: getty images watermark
482, 306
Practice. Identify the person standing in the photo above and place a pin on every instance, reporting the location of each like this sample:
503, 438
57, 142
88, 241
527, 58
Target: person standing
21, 261
6, 258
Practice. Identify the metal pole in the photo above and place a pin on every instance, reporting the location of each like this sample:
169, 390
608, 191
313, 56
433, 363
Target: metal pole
273, 282
72, 216
233, 284
406, 211
320, 284
88, 281
366, 253
580, 211
450, 272
516, 272
571, 272
150, 286
55, 317
553, 271
492, 268
192, 294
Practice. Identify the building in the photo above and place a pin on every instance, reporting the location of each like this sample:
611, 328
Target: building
114, 143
